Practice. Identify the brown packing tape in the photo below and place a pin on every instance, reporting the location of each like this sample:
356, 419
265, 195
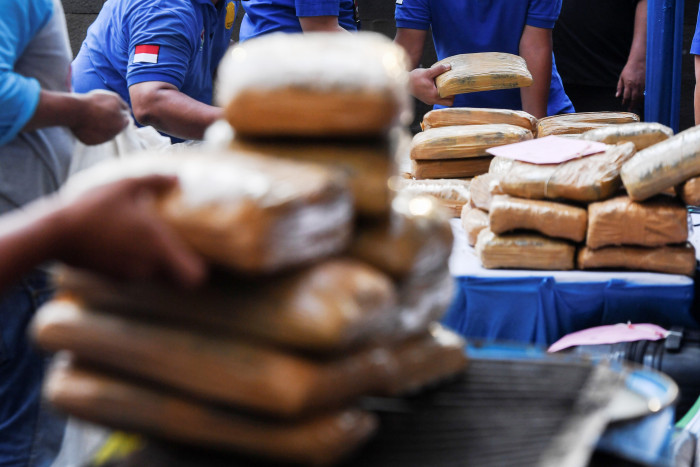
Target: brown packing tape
690, 192
642, 134
464, 141
123, 404
476, 116
666, 259
450, 168
621, 221
524, 251
576, 123
474, 221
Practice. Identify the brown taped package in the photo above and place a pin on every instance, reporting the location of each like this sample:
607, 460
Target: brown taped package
252, 213
416, 240
122, 404
337, 304
475, 116
483, 71
666, 259
474, 221
366, 165
690, 192
547, 217
621, 221
314, 85
526, 251
482, 190
451, 168
576, 123
642, 134
464, 141
663, 165
452, 193
591, 178
237, 371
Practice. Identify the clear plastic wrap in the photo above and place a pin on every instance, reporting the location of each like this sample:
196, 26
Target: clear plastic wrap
587, 179
483, 71
248, 212
663, 165
474, 221
642, 134
558, 220
524, 251
241, 372
416, 239
452, 116
690, 192
621, 221
367, 166
483, 189
450, 168
666, 259
335, 305
451, 192
500, 165
465, 141
576, 123
322, 439
319, 84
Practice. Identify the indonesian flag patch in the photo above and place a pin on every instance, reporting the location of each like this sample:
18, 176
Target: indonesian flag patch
146, 53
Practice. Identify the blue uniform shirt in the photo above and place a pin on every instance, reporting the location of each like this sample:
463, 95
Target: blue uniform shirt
470, 26
266, 16
695, 46
175, 41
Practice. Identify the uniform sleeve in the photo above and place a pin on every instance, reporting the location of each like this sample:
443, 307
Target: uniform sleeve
161, 45
543, 13
19, 95
317, 7
412, 14
695, 46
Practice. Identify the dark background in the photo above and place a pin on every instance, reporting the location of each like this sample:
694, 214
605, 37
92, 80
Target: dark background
378, 15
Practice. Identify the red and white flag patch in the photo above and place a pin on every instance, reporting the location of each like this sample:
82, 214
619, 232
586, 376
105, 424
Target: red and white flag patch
146, 53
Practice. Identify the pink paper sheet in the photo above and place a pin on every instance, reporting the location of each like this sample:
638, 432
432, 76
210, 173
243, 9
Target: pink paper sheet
548, 150
610, 334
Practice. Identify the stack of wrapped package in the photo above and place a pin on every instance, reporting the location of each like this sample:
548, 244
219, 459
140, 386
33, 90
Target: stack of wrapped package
530, 216
577, 123
320, 298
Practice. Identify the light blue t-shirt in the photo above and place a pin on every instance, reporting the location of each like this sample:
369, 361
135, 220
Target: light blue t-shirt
471, 26
180, 42
267, 16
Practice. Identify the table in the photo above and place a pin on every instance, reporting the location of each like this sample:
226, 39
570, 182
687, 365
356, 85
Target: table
542, 306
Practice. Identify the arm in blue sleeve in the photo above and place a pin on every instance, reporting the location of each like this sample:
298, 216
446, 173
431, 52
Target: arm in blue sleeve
543, 13
413, 14
317, 7
19, 95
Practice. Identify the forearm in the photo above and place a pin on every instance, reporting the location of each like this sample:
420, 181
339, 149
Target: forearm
29, 238
56, 109
638, 51
412, 41
536, 49
320, 23
175, 113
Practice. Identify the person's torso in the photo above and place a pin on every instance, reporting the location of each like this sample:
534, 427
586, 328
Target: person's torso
592, 40
105, 54
267, 16
36, 163
471, 26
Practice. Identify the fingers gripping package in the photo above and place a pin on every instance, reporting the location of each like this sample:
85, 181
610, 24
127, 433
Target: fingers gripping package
253, 214
453, 116
319, 84
485, 71
576, 123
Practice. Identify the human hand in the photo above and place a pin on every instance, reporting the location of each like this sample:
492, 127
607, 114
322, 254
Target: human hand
115, 230
422, 84
103, 115
630, 86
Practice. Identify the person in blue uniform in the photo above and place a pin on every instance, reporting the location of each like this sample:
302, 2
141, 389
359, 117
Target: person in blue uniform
695, 50
267, 16
519, 27
161, 57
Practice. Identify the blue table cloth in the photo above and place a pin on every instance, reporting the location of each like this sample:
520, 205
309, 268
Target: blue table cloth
540, 307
